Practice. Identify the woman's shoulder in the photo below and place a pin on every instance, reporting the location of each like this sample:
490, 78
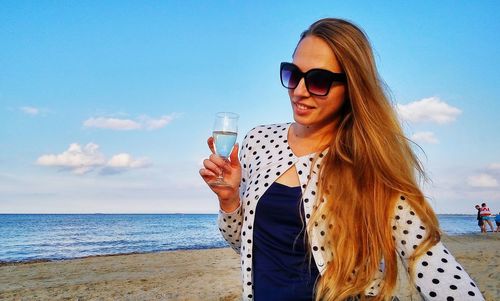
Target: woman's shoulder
267, 130
265, 141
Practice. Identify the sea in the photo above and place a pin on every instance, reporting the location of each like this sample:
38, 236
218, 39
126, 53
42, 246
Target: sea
40, 237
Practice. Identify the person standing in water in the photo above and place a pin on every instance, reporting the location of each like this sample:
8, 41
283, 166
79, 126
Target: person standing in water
485, 213
480, 222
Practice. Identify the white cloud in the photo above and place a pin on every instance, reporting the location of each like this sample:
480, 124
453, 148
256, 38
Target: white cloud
153, 124
425, 137
494, 166
482, 180
144, 122
430, 109
80, 160
30, 110
84, 160
125, 160
112, 124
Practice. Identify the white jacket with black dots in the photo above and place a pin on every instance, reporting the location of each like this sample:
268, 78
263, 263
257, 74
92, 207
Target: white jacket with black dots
265, 155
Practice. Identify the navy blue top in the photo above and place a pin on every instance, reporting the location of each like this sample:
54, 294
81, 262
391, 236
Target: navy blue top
281, 267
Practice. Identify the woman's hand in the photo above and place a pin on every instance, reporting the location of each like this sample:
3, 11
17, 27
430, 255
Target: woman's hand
231, 169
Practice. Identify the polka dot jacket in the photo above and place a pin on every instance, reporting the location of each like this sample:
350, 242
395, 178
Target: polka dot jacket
265, 155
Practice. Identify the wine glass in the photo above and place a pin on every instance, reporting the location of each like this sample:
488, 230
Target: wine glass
224, 133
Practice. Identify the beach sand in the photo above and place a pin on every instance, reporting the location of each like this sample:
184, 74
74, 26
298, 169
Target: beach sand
195, 274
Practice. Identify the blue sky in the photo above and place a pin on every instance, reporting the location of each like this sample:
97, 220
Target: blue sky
106, 106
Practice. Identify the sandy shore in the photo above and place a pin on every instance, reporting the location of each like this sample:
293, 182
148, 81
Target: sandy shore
194, 275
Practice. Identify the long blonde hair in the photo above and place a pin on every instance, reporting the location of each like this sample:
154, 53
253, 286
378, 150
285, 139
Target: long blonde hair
369, 164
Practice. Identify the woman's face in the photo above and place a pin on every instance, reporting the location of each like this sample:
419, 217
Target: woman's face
311, 110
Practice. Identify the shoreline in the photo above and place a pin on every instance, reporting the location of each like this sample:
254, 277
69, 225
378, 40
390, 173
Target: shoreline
203, 274
45, 260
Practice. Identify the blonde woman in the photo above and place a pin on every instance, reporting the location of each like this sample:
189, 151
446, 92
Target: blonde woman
321, 208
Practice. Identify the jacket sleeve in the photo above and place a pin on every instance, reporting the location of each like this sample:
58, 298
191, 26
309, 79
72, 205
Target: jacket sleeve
230, 223
437, 275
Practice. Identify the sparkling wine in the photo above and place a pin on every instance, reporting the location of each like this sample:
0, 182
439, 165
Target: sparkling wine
224, 142
224, 133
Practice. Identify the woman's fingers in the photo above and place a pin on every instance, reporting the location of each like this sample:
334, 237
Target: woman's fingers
207, 174
219, 161
222, 164
212, 166
210, 142
233, 157
217, 165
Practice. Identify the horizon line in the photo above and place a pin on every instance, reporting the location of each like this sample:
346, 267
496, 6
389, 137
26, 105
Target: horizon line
147, 213
104, 213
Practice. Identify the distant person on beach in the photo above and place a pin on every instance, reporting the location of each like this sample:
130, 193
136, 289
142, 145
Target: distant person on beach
321, 208
486, 216
480, 222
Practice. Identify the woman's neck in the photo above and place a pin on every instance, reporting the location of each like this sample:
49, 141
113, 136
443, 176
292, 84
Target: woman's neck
306, 139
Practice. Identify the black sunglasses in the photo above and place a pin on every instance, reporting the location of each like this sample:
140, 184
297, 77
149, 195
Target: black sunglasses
318, 81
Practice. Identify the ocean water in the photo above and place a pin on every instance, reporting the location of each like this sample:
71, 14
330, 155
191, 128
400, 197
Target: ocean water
28, 237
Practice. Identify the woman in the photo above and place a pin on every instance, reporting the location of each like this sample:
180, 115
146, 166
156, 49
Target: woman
321, 208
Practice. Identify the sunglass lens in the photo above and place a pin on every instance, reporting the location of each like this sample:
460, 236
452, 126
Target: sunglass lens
290, 76
319, 82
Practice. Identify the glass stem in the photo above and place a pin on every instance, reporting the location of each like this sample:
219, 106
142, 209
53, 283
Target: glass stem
221, 175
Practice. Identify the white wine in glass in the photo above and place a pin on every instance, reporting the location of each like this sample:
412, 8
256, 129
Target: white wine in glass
225, 132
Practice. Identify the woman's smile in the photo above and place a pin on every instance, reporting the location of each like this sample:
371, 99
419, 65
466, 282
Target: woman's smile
302, 109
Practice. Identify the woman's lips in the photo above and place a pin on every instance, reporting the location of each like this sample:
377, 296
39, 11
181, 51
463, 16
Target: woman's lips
302, 109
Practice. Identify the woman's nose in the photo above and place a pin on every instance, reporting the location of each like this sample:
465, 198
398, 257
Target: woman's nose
301, 89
